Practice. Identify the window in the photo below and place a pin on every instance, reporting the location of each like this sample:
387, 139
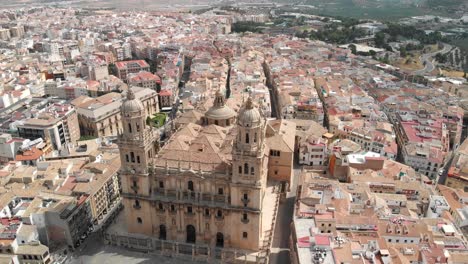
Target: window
190, 186
220, 191
276, 172
246, 196
161, 184
207, 212
219, 213
172, 208
240, 169
252, 171
139, 220
130, 128
132, 156
274, 153
329, 224
160, 206
138, 127
246, 168
137, 204
244, 234
135, 183
127, 158
247, 139
255, 137
189, 209
244, 216
138, 159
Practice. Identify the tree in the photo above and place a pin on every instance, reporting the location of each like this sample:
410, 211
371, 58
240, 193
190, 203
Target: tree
380, 40
403, 52
353, 49
441, 58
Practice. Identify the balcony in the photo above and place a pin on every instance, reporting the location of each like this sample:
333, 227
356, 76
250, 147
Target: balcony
191, 196
245, 200
245, 220
220, 198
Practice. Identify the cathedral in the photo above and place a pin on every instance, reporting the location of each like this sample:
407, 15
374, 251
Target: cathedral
210, 183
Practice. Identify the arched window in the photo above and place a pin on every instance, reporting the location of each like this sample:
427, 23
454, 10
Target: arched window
139, 220
247, 139
132, 156
219, 213
240, 169
190, 186
246, 168
137, 203
129, 127
138, 159
252, 171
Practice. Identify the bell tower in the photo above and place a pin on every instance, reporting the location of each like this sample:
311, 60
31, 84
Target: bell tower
138, 144
248, 150
249, 172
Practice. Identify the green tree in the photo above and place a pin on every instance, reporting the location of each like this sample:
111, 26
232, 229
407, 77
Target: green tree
403, 52
380, 40
353, 49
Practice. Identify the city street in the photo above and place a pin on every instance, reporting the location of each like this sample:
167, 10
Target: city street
280, 246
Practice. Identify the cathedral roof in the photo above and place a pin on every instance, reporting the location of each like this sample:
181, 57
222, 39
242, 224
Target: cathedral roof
220, 110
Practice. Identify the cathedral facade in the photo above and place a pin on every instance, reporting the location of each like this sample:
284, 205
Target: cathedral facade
207, 184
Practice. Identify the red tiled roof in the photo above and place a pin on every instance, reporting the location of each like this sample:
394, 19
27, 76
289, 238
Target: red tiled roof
32, 154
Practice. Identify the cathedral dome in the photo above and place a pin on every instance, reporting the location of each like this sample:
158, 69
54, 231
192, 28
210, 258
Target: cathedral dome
132, 104
219, 110
249, 116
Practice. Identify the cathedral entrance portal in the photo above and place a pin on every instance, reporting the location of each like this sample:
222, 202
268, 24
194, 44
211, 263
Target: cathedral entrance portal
219, 240
191, 234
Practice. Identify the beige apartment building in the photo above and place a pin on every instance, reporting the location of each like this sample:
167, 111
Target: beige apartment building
124, 68
208, 185
58, 126
101, 117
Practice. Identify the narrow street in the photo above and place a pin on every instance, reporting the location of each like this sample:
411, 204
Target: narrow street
280, 246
